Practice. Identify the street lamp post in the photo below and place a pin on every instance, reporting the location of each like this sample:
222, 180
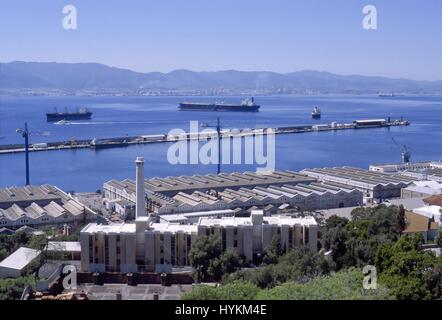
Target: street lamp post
25, 134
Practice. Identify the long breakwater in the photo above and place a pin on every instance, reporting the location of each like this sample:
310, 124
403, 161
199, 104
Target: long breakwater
121, 142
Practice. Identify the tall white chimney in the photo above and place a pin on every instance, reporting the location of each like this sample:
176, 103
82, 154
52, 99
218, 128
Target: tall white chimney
140, 209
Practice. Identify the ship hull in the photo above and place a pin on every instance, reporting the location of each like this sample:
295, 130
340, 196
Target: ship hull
316, 116
53, 117
217, 107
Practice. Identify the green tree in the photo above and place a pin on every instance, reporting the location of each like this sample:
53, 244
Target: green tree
409, 272
334, 237
299, 264
438, 238
227, 263
202, 252
237, 290
355, 242
401, 220
342, 285
12, 289
272, 252
3, 253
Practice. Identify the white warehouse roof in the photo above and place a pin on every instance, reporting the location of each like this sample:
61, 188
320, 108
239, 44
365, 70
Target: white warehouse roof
19, 259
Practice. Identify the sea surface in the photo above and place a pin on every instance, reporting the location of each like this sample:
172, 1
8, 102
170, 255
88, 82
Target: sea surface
86, 170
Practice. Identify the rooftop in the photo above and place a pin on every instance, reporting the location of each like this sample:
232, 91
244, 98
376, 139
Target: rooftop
185, 216
407, 203
418, 223
20, 258
435, 200
262, 193
110, 228
173, 185
28, 193
365, 177
275, 220
34, 202
193, 228
427, 187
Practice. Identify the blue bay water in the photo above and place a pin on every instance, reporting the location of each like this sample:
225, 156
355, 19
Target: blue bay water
86, 170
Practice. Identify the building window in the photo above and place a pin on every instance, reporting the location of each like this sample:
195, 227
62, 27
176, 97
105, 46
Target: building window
172, 249
188, 241
106, 251
305, 235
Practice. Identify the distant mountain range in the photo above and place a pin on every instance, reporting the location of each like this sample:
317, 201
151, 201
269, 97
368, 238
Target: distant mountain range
77, 77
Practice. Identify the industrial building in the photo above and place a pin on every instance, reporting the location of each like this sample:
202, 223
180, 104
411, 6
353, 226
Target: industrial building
153, 241
143, 245
421, 189
170, 186
375, 185
430, 211
418, 223
16, 263
304, 197
433, 174
295, 190
430, 170
403, 167
40, 206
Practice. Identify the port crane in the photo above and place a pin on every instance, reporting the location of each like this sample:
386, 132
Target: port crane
218, 132
25, 133
406, 153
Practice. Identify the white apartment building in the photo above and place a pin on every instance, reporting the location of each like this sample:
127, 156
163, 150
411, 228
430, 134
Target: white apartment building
133, 247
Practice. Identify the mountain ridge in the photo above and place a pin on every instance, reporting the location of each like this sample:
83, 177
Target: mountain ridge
92, 76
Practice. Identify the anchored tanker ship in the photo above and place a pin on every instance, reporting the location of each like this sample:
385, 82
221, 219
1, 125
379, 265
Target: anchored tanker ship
247, 105
80, 114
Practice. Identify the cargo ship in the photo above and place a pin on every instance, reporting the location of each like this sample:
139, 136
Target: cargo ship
316, 113
80, 114
247, 105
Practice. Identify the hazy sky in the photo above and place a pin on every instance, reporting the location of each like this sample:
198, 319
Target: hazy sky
275, 35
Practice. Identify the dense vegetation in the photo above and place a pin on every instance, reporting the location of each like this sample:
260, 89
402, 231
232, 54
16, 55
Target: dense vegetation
372, 237
342, 285
11, 289
210, 262
8, 244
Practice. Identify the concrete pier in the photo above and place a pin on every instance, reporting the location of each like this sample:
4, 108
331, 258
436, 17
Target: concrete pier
119, 142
